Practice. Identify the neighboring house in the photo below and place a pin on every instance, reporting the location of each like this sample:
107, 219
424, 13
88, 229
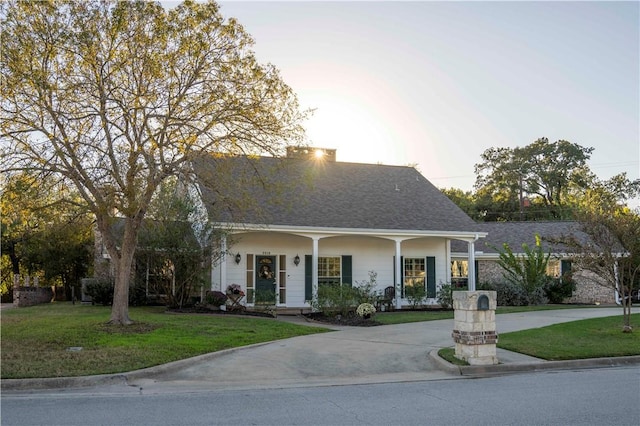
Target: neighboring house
589, 288
296, 223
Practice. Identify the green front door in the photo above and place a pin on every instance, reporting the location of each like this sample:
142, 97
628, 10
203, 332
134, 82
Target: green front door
265, 280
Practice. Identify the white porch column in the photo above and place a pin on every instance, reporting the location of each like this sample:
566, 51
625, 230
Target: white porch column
314, 269
472, 266
223, 264
398, 277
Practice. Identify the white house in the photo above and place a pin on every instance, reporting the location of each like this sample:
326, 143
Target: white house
292, 224
298, 222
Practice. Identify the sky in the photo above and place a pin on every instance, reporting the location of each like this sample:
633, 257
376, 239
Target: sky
435, 84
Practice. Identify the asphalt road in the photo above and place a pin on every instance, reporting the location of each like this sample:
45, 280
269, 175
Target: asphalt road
608, 396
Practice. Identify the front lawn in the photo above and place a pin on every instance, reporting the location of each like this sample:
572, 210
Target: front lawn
590, 338
61, 339
401, 317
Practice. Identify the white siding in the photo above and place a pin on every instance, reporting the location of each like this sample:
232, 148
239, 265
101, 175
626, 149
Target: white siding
368, 254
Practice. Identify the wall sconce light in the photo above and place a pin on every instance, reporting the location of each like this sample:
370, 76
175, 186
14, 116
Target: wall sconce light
296, 260
238, 258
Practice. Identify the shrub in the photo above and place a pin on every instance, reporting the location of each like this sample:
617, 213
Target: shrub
416, 294
507, 293
538, 297
527, 270
101, 291
215, 298
557, 289
336, 299
138, 294
366, 289
445, 296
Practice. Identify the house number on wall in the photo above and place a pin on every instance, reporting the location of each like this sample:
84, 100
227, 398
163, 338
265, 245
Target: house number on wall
266, 253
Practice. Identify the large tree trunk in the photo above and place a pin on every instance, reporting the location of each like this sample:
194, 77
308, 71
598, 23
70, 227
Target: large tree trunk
15, 260
124, 262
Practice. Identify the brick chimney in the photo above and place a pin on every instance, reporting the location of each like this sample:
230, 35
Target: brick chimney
306, 152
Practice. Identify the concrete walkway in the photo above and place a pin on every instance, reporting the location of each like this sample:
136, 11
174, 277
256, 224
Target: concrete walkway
348, 355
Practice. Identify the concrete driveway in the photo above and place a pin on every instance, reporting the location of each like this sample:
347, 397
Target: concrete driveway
348, 355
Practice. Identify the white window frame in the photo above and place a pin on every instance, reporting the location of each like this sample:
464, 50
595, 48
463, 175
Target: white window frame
327, 266
413, 278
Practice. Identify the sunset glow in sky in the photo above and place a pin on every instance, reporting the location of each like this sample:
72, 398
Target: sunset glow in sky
437, 83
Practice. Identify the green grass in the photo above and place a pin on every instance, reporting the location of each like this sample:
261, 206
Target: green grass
36, 340
449, 354
592, 338
401, 317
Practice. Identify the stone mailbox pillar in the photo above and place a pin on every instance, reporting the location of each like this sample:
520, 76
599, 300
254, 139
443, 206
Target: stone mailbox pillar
474, 328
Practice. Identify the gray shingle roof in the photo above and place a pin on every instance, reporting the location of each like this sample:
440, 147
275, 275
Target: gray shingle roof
150, 230
300, 192
517, 233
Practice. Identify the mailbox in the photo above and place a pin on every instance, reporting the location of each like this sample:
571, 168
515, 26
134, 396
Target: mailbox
474, 327
483, 302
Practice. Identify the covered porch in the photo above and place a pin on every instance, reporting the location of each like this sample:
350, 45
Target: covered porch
294, 261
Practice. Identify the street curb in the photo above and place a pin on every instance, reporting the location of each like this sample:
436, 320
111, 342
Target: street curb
116, 378
492, 370
440, 363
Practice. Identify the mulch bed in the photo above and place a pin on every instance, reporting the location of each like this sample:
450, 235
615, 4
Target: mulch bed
205, 310
351, 319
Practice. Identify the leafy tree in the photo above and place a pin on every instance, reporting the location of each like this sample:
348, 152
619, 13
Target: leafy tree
6, 280
115, 97
21, 200
543, 170
611, 252
63, 251
172, 245
44, 231
496, 205
529, 270
466, 200
606, 196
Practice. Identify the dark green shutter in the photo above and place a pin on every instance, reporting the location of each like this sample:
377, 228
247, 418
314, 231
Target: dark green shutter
394, 273
308, 277
475, 265
347, 271
565, 267
431, 276
401, 276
